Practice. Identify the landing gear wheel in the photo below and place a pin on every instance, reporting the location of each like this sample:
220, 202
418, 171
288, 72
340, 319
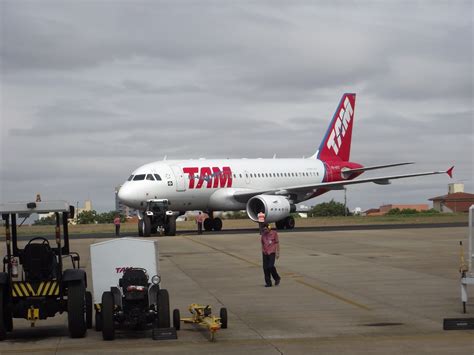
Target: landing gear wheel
163, 309
76, 295
146, 226
280, 224
289, 222
108, 326
170, 227
208, 224
88, 310
217, 224
176, 319
223, 316
140, 228
98, 321
154, 230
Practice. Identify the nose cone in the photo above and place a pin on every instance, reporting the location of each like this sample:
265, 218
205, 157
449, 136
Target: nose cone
127, 195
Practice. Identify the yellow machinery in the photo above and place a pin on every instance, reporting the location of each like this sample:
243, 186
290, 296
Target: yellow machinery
202, 315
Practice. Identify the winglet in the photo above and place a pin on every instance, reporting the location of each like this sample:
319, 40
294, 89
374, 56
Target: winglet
450, 171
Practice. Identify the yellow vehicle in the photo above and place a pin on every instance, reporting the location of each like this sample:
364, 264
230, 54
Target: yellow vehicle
202, 315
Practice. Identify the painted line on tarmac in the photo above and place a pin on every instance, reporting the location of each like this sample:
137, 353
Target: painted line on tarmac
332, 294
224, 252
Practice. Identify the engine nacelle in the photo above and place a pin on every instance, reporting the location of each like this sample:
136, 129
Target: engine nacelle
275, 207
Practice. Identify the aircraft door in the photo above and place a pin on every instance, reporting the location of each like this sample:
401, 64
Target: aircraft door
180, 179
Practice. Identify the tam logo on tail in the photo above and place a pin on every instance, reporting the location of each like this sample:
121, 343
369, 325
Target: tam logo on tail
337, 141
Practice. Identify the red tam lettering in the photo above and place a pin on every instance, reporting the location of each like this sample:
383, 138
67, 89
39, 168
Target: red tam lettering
205, 175
191, 172
224, 178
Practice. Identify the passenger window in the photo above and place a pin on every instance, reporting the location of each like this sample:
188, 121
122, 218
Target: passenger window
150, 177
157, 177
130, 178
240, 175
139, 177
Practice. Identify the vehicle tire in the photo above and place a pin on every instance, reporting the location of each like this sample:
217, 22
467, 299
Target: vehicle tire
217, 224
170, 228
98, 321
154, 229
176, 319
3, 330
107, 315
76, 301
146, 226
223, 316
140, 228
163, 309
289, 222
280, 224
207, 224
88, 310
7, 313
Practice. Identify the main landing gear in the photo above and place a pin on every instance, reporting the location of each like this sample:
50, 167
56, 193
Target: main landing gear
286, 223
212, 223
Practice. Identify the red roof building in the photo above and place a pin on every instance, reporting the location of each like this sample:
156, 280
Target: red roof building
455, 202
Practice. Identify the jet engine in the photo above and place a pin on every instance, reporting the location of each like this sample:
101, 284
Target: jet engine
275, 207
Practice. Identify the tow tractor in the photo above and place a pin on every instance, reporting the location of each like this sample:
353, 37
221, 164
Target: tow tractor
33, 284
202, 315
124, 293
157, 218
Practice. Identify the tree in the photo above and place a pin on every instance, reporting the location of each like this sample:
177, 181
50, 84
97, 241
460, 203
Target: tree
48, 220
331, 208
87, 217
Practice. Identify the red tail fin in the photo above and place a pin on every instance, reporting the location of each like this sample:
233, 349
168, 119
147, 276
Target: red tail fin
337, 141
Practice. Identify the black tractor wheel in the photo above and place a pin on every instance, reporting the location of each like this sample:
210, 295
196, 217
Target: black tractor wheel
76, 301
88, 310
176, 319
7, 313
208, 224
170, 228
3, 330
223, 316
289, 222
217, 224
98, 321
107, 313
163, 309
146, 226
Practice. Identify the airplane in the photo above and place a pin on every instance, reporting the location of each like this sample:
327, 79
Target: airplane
162, 190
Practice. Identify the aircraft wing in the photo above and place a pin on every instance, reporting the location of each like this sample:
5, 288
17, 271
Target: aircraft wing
243, 196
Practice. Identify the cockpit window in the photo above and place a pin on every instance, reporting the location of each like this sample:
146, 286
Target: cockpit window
157, 177
130, 178
139, 177
150, 177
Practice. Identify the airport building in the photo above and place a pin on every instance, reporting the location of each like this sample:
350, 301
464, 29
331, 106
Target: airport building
384, 209
455, 201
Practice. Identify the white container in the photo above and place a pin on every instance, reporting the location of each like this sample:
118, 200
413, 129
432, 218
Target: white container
111, 258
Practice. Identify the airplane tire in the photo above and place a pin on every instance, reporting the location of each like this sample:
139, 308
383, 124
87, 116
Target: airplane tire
140, 228
146, 226
98, 321
217, 224
289, 222
208, 224
280, 224
170, 228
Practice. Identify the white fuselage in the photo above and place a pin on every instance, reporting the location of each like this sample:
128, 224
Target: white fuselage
208, 184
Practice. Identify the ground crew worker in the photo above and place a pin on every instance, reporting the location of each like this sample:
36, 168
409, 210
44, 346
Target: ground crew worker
200, 220
261, 221
270, 251
117, 225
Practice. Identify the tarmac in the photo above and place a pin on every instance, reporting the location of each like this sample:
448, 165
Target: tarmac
346, 292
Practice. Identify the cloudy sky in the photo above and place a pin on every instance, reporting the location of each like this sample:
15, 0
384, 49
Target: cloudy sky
90, 90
